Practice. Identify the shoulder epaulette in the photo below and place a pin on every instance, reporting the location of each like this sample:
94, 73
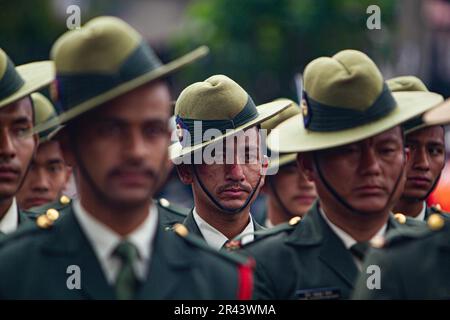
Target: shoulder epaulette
181, 230
434, 224
52, 208
236, 243
177, 210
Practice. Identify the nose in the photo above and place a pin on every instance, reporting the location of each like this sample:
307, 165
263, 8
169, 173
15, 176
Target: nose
7, 150
235, 172
40, 180
420, 159
135, 146
369, 163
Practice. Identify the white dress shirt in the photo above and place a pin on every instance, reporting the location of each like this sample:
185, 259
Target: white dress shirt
347, 239
10, 220
104, 241
421, 215
217, 239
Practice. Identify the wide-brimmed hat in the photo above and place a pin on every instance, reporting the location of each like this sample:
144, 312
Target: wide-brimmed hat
19, 82
44, 110
283, 158
346, 100
405, 84
439, 115
217, 103
102, 60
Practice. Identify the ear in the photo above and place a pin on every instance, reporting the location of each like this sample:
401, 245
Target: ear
305, 164
36, 144
185, 173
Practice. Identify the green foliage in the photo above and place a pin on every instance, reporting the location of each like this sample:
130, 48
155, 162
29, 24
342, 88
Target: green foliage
262, 44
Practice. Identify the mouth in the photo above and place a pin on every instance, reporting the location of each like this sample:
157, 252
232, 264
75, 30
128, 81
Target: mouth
132, 178
8, 173
36, 202
233, 193
417, 181
370, 190
305, 199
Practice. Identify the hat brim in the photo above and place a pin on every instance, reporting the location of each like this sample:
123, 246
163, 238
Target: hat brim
123, 88
439, 115
265, 111
35, 75
290, 136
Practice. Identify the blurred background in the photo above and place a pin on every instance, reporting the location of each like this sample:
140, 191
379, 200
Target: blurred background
261, 44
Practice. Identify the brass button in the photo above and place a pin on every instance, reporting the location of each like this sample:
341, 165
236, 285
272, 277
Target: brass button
435, 222
44, 222
52, 214
180, 230
164, 202
64, 199
377, 242
400, 217
293, 221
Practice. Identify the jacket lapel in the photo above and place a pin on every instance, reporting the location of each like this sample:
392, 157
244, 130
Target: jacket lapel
69, 246
314, 231
192, 226
168, 261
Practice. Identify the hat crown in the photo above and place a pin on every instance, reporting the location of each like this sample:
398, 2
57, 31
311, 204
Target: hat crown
216, 98
43, 108
10, 79
406, 83
100, 46
349, 79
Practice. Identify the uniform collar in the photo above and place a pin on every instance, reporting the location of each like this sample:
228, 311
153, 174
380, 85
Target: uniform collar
422, 215
10, 220
217, 239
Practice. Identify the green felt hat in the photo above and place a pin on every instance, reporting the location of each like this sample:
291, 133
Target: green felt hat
102, 60
346, 100
217, 103
18, 82
439, 115
43, 112
284, 158
405, 84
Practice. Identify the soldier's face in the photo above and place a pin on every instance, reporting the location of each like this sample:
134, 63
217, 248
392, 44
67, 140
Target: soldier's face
295, 191
364, 173
16, 146
123, 146
427, 148
46, 178
231, 183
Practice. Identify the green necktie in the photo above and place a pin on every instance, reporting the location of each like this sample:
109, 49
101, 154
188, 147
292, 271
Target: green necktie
126, 281
359, 249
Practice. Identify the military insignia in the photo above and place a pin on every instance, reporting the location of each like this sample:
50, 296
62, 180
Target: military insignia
331, 293
306, 110
181, 127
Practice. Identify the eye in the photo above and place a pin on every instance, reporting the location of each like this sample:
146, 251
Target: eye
155, 130
436, 151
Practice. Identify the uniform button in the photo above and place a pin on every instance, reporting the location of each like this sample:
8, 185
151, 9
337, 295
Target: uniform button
64, 199
44, 222
164, 202
435, 222
181, 230
52, 214
293, 221
400, 217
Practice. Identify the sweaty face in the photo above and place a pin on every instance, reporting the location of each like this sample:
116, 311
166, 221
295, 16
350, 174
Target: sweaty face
46, 178
16, 145
122, 146
427, 148
296, 193
232, 182
365, 173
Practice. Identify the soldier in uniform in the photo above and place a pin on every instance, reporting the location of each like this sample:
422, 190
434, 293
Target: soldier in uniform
427, 152
48, 174
352, 147
289, 193
17, 145
413, 265
225, 185
115, 112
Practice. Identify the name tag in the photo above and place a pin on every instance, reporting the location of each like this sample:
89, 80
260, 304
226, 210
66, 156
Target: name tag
331, 293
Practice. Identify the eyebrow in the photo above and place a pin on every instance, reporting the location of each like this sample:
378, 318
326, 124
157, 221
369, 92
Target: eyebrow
54, 161
22, 119
432, 142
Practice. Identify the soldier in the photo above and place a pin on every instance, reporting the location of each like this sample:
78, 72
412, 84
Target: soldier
224, 186
352, 147
48, 173
289, 193
115, 112
427, 152
17, 145
413, 265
